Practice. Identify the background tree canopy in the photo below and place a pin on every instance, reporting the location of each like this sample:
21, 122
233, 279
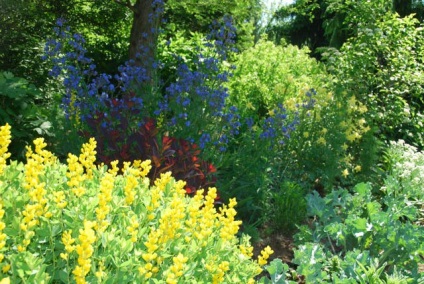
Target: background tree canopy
322, 23
24, 27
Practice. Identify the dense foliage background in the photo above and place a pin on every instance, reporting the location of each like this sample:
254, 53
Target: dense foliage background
304, 120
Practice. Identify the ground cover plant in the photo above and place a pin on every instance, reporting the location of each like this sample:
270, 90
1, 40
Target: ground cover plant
64, 223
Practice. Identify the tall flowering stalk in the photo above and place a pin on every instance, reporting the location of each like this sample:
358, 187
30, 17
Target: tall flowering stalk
2, 234
38, 207
105, 197
84, 250
5, 139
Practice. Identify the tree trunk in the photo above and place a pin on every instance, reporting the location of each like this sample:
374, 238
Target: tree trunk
144, 33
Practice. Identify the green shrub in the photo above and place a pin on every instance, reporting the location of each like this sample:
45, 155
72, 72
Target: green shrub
22, 106
74, 221
325, 130
382, 67
267, 75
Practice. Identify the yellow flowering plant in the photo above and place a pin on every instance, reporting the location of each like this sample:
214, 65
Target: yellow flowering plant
81, 223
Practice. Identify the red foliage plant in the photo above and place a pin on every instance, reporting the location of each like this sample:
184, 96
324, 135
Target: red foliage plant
166, 153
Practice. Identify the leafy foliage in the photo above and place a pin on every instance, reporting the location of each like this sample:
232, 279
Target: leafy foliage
317, 132
146, 143
268, 75
20, 106
358, 236
381, 67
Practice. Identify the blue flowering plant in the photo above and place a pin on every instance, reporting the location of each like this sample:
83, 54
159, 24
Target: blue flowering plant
190, 110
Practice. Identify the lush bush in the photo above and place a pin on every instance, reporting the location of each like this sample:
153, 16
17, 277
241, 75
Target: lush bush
24, 107
267, 75
301, 130
75, 221
381, 67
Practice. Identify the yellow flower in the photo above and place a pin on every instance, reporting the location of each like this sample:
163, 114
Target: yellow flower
60, 199
177, 268
345, 173
249, 105
87, 157
5, 139
230, 227
75, 175
322, 141
130, 193
100, 273
306, 134
68, 241
2, 227
357, 169
105, 197
133, 228
143, 167
265, 253
5, 268
84, 250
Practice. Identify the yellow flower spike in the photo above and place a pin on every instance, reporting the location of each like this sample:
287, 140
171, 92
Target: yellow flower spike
114, 168
100, 273
246, 250
179, 188
84, 250
87, 157
60, 199
133, 228
265, 253
68, 241
163, 180
2, 227
145, 168
177, 268
129, 189
105, 197
5, 139
75, 175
